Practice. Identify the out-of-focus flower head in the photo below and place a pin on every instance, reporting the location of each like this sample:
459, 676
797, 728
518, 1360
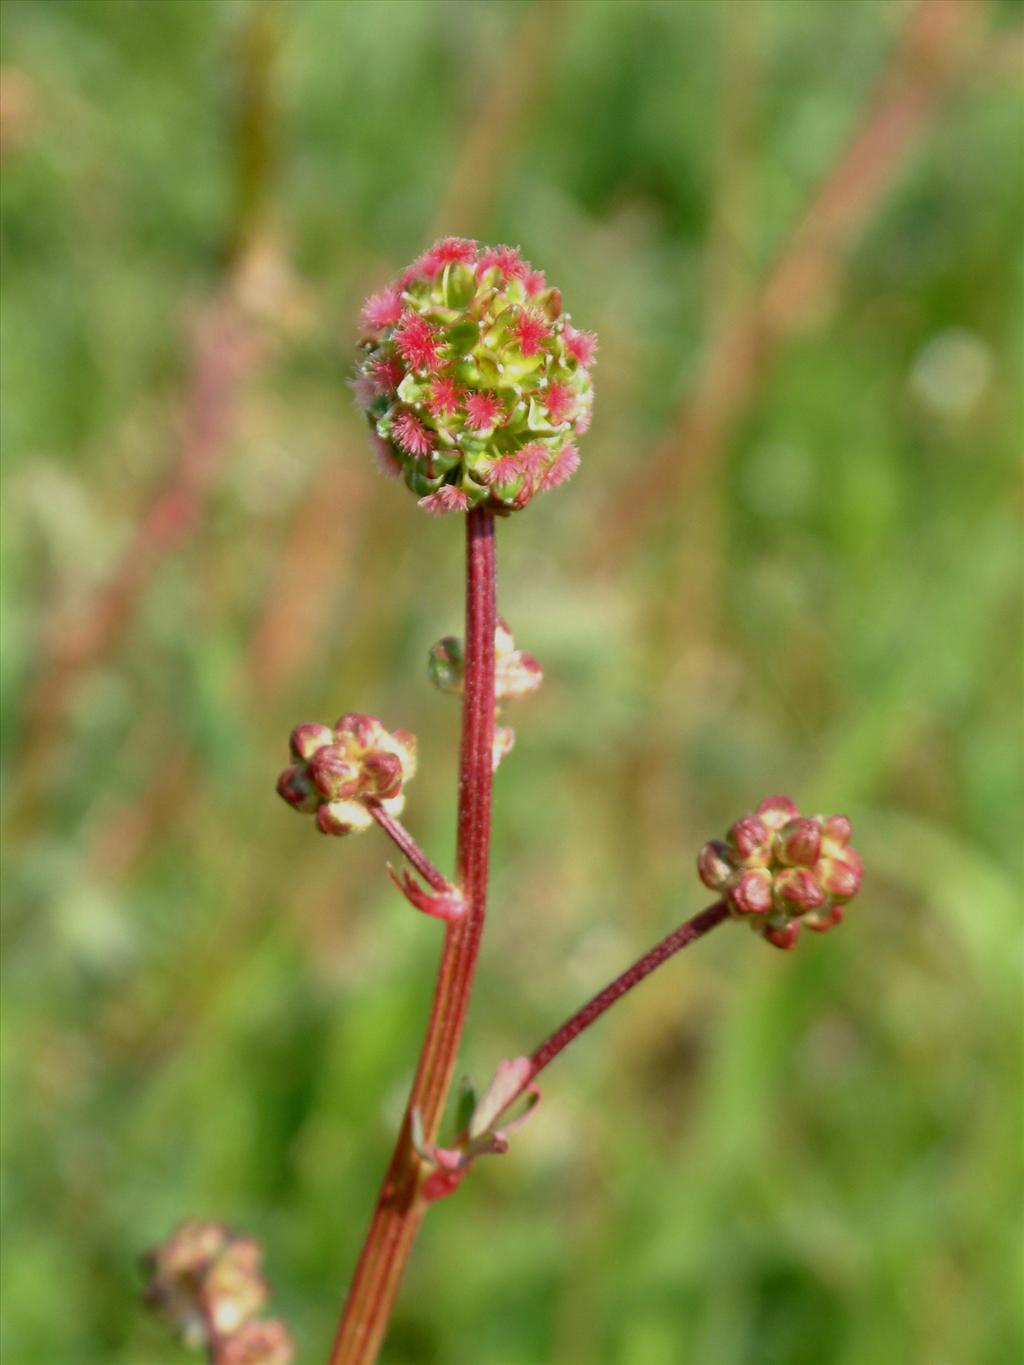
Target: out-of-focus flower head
206, 1281
474, 380
780, 870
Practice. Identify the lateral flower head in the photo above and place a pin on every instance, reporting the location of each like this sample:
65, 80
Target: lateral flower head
207, 1282
474, 379
205, 1278
516, 674
780, 870
339, 772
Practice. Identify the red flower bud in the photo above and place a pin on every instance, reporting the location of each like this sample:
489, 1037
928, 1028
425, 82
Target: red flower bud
796, 891
837, 829
822, 920
306, 739
333, 773
798, 842
294, 786
713, 865
751, 892
776, 810
382, 774
840, 877
749, 838
784, 936
365, 728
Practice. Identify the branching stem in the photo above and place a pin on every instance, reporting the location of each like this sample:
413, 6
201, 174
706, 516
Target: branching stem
687, 933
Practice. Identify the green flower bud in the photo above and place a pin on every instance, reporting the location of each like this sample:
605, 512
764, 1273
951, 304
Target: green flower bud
447, 664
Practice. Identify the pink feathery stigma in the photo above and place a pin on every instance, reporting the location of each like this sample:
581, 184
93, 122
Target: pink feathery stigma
505, 469
448, 498
382, 309
530, 330
483, 411
445, 397
535, 282
532, 459
417, 341
448, 251
583, 420
364, 389
565, 465
387, 372
559, 399
384, 457
582, 346
504, 258
412, 435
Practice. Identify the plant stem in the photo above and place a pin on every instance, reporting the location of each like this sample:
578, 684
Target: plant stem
688, 932
399, 1211
408, 847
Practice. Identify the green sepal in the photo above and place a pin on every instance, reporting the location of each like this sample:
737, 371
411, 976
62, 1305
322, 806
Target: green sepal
446, 459
518, 367
420, 484
412, 389
458, 284
465, 1105
537, 419
462, 337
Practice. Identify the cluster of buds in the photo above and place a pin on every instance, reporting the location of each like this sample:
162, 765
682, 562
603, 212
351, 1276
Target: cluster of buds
474, 380
778, 870
339, 773
207, 1283
516, 674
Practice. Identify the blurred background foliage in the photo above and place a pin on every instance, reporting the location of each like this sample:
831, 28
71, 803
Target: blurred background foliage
789, 562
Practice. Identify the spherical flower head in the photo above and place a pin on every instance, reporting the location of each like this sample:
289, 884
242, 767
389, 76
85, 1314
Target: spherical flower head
474, 379
339, 773
780, 870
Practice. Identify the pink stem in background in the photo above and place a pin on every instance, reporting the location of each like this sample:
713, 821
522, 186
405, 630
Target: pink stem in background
932, 51
399, 1211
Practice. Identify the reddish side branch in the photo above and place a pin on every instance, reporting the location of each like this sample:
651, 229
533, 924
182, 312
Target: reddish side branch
687, 933
409, 848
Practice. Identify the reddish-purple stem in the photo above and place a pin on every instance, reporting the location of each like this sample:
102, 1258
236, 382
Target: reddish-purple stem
688, 932
409, 848
399, 1210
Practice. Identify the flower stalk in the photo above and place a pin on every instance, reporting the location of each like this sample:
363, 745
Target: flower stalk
688, 932
399, 1210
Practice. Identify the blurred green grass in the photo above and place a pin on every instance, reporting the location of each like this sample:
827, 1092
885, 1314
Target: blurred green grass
810, 1159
